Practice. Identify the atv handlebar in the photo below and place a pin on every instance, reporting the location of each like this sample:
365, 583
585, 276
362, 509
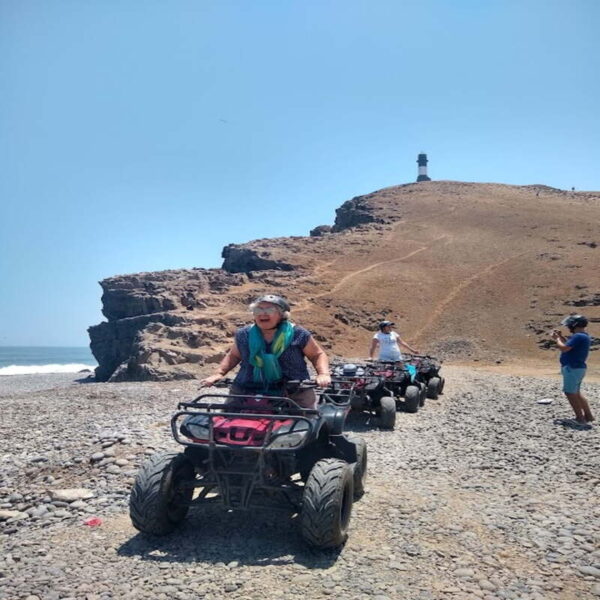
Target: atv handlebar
428, 356
258, 388
279, 393
222, 383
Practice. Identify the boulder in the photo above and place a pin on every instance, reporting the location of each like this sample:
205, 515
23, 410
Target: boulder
320, 230
354, 212
71, 494
240, 259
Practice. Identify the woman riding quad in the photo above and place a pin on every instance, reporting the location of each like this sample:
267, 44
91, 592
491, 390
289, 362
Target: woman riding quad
389, 343
272, 351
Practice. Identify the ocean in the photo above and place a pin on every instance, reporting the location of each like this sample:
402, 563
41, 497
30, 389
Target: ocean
30, 360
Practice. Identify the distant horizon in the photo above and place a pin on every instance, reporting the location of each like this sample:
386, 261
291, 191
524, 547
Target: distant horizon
42, 346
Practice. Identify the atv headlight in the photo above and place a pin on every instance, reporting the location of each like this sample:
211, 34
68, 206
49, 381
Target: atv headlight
289, 434
289, 440
196, 427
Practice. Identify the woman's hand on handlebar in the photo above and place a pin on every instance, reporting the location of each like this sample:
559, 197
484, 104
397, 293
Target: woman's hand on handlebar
323, 380
211, 380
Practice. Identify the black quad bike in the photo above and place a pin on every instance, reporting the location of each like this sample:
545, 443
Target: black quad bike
366, 392
428, 371
255, 452
401, 382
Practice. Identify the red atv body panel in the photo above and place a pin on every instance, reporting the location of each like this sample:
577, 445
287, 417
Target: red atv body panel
240, 431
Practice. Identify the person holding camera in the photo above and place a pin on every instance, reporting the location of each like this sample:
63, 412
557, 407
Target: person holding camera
573, 355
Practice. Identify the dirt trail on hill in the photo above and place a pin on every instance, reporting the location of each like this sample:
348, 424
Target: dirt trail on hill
304, 305
458, 289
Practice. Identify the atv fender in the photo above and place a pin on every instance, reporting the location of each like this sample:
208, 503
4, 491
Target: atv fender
371, 387
346, 449
334, 417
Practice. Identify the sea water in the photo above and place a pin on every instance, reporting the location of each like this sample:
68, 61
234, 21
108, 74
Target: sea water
30, 360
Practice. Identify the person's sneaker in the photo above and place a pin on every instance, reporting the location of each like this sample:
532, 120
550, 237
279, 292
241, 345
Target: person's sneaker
573, 424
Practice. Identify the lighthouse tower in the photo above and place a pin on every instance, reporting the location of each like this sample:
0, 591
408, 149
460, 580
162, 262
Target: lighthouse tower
422, 162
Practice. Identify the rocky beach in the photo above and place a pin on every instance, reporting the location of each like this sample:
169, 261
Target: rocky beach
484, 493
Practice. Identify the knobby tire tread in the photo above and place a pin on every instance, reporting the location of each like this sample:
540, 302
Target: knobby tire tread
321, 520
412, 399
147, 504
359, 468
433, 387
387, 412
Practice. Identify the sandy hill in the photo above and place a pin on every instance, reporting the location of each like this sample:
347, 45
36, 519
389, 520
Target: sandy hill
471, 272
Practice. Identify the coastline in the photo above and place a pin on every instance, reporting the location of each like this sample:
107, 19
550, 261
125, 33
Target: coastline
11, 385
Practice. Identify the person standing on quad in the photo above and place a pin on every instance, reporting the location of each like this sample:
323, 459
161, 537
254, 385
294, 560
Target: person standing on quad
573, 355
272, 351
389, 343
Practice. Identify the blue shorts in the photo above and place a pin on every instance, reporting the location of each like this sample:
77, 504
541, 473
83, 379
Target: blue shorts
390, 356
572, 379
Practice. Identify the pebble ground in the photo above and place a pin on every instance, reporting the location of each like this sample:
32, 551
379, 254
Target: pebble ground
484, 493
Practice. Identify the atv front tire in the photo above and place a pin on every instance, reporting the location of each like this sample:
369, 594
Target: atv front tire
359, 468
387, 412
160, 498
412, 399
434, 387
443, 382
423, 393
327, 503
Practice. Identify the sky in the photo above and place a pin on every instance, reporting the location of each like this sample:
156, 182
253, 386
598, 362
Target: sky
142, 135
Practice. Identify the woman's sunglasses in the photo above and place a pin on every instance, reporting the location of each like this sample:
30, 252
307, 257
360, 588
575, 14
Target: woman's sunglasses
269, 310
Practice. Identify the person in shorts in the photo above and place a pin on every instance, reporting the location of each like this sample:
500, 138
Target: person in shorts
388, 342
574, 351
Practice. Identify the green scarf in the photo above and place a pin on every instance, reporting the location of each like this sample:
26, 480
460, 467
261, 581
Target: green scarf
266, 365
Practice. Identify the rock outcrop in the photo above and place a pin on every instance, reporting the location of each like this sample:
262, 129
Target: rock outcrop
320, 230
241, 259
153, 325
357, 211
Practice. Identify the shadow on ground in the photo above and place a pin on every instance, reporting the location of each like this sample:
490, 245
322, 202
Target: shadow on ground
213, 535
573, 424
361, 422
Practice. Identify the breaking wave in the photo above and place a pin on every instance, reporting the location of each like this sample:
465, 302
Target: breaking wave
45, 369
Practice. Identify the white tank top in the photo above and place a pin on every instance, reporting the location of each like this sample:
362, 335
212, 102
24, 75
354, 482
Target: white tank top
388, 345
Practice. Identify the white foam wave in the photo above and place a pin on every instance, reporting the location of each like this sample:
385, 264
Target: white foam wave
44, 369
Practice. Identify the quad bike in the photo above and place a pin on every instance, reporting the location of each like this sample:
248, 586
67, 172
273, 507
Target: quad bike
254, 452
400, 381
428, 371
366, 392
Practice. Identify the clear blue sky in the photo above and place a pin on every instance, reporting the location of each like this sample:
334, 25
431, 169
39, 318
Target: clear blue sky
140, 135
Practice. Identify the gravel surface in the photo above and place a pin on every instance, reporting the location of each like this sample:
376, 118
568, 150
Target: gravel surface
481, 494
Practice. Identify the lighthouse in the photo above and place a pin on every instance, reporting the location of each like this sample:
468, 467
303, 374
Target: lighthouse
422, 162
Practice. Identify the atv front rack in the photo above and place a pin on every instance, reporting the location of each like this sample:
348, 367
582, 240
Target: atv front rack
279, 410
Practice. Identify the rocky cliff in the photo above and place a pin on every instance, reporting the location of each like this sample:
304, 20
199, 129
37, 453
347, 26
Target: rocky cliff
470, 271
154, 323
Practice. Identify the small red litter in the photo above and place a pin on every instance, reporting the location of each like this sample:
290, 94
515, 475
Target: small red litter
93, 522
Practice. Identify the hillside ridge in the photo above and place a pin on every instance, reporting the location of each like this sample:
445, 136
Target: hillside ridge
473, 272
